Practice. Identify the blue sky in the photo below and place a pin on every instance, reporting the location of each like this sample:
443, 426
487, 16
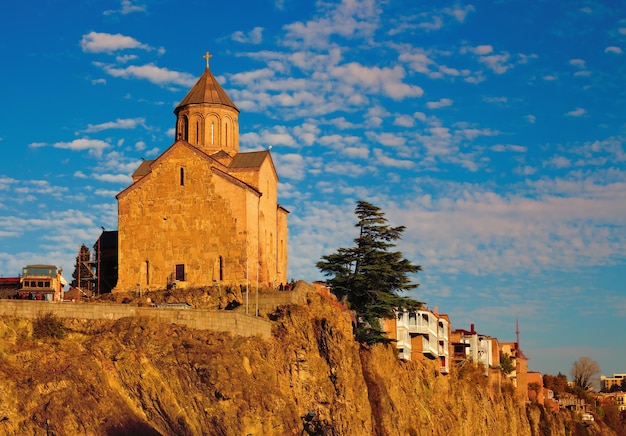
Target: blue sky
494, 131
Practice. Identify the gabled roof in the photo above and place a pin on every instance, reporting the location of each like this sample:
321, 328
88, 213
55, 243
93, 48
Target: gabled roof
143, 168
251, 159
207, 90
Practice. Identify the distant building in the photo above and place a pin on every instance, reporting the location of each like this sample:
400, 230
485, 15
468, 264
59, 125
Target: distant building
42, 282
608, 383
519, 377
536, 391
469, 345
421, 334
9, 286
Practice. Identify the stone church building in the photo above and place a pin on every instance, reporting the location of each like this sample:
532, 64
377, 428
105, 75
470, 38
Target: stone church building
202, 213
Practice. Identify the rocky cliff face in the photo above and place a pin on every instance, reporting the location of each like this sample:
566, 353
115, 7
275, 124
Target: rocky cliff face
138, 377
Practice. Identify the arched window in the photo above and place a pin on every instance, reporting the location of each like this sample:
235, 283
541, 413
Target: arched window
183, 132
226, 135
197, 132
212, 133
182, 176
221, 268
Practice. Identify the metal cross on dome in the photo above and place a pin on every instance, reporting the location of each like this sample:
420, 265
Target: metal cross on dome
207, 56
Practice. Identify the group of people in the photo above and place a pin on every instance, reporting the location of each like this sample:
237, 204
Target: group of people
286, 286
29, 296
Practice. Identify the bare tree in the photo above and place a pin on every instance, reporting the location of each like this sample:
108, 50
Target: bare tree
583, 372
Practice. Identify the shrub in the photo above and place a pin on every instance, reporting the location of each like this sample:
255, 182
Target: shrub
48, 325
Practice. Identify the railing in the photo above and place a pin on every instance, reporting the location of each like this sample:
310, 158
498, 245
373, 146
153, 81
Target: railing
428, 347
442, 333
423, 325
443, 350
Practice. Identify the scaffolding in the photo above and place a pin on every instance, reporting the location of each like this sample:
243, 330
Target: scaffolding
86, 272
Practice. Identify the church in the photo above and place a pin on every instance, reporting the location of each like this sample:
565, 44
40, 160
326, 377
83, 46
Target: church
202, 213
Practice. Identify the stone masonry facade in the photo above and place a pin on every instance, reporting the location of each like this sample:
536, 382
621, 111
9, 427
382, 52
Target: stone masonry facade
203, 213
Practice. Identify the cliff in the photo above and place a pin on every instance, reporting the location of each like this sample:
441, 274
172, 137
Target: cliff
136, 376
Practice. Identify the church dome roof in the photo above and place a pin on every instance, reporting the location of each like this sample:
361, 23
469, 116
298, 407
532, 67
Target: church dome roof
207, 90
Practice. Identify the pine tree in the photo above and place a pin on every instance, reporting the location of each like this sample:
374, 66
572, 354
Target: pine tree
369, 276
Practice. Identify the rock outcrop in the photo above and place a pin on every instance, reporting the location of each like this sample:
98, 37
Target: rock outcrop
135, 376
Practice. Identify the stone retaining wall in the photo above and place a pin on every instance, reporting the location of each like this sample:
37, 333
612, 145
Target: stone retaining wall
236, 323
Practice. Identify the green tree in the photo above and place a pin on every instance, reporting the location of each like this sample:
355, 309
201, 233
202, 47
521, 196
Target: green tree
506, 363
583, 372
370, 276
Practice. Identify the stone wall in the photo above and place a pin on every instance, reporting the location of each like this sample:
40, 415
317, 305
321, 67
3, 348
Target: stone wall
236, 323
269, 301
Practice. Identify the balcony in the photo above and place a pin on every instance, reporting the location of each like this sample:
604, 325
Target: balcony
429, 348
404, 354
444, 350
423, 323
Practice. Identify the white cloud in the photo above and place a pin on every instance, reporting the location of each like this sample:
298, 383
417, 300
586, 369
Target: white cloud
152, 73
350, 19
114, 178
613, 49
96, 42
291, 165
460, 13
579, 63
153, 151
443, 102
578, 112
387, 139
482, 50
94, 146
127, 8
107, 193
255, 36
404, 121
387, 81
307, 133
278, 136
497, 63
384, 160
419, 61
559, 162
126, 123
509, 147
123, 59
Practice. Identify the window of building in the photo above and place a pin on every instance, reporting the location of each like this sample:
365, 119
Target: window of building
40, 284
185, 128
147, 272
226, 135
212, 133
180, 272
221, 268
182, 176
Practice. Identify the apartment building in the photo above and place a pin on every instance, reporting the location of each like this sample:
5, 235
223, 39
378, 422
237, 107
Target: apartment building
468, 345
421, 334
608, 383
